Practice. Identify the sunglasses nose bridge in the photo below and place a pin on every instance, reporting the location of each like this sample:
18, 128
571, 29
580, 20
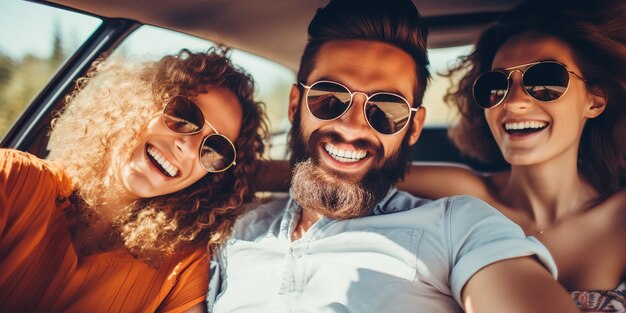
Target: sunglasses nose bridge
517, 99
515, 82
359, 101
509, 73
354, 117
189, 143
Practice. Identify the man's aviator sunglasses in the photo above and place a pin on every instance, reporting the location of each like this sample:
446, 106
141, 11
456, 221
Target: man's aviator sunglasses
183, 116
545, 81
387, 113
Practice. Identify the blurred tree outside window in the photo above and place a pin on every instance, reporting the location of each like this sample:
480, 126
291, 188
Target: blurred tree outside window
34, 43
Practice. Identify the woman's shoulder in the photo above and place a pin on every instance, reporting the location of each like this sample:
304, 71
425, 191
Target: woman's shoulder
619, 195
605, 217
436, 180
12, 160
614, 206
19, 169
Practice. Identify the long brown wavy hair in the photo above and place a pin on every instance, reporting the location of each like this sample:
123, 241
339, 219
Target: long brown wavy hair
596, 33
109, 107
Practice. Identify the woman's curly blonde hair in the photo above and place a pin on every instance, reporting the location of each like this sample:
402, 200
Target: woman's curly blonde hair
101, 121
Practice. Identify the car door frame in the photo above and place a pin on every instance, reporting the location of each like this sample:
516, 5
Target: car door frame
30, 131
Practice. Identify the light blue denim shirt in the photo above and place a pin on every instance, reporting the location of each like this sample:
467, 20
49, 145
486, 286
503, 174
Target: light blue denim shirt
410, 255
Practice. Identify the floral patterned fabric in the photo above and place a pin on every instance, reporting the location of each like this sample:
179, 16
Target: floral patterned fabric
601, 301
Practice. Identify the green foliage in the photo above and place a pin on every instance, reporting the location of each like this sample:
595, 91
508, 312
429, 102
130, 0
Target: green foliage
22, 79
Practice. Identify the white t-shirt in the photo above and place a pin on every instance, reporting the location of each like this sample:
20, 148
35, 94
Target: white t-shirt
410, 255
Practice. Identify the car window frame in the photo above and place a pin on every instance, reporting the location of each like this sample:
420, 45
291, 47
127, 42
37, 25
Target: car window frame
30, 130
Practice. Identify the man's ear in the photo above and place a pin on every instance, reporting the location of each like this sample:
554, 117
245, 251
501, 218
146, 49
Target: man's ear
294, 101
597, 102
418, 125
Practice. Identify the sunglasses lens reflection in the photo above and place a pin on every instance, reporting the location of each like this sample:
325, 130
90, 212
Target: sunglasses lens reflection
490, 88
387, 113
217, 153
183, 116
328, 100
546, 81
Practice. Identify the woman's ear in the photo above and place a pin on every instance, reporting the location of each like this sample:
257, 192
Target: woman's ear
597, 102
294, 101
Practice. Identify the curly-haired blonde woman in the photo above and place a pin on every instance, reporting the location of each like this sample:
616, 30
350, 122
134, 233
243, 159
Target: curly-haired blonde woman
149, 162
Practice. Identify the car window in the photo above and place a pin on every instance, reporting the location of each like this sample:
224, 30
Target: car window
439, 114
35, 41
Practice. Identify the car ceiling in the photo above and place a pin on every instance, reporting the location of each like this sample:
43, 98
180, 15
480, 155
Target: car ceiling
276, 29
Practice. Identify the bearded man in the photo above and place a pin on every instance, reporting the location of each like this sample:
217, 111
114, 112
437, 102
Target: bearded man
346, 240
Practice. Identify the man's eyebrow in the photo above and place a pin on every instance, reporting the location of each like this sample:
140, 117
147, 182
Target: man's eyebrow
330, 78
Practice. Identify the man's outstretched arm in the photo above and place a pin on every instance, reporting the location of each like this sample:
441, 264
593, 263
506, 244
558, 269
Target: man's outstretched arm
518, 285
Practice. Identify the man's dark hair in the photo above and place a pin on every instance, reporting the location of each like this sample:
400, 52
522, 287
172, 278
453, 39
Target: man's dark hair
395, 22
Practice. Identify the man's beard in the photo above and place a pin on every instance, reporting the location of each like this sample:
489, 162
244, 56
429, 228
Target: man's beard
334, 194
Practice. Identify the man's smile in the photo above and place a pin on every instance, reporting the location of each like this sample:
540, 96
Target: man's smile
344, 155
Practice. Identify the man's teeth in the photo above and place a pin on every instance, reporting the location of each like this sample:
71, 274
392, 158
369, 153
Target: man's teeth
525, 125
344, 155
165, 164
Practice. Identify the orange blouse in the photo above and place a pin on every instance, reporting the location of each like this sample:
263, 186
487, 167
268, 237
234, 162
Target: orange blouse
41, 272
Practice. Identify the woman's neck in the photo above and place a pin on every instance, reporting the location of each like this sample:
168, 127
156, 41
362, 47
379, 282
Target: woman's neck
548, 192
